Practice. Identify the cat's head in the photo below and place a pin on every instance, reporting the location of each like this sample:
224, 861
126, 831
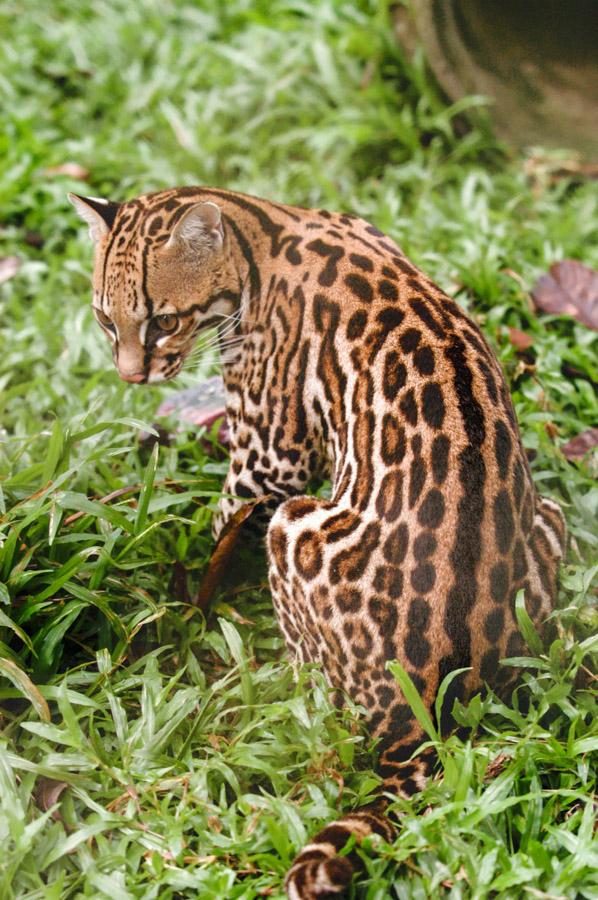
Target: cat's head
158, 280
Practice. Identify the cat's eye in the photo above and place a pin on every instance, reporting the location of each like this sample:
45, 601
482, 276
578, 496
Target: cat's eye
102, 318
167, 323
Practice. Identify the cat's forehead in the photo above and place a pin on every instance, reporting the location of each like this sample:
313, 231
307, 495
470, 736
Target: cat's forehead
129, 277
144, 224
149, 216
132, 260
130, 246
131, 226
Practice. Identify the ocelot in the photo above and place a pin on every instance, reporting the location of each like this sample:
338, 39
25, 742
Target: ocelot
343, 361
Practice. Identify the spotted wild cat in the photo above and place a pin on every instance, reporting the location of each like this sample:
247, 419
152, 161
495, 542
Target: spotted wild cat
344, 361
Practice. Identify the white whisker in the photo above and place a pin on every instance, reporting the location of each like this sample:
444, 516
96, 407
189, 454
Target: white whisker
224, 345
216, 341
204, 340
220, 341
227, 352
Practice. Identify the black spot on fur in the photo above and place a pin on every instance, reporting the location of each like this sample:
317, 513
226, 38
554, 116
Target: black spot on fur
393, 444
356, 324
387, 290
408, 407
504, 525
431, 512
489, 664
362, 262
494, 624
499, 582
409, 340
333, 253
424, 545
423, 360
417, 479
360, 286
440, 451
423, 578
394, 376
503, 446
433, 404
395, 545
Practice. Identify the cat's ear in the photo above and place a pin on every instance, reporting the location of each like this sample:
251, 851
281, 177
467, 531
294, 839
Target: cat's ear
97, 212
199, 228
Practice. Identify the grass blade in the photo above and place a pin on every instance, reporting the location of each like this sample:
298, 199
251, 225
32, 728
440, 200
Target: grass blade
413, 699
526, 626
147, 490
25, 685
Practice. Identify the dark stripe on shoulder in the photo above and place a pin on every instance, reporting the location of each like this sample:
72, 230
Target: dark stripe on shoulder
255, 281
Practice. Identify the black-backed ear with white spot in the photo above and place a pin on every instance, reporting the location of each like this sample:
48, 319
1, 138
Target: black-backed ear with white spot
97, 212
199, 228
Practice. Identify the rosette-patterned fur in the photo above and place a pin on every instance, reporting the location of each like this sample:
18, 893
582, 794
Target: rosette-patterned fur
342, 360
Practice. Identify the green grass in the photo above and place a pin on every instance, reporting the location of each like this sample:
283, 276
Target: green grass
194, 764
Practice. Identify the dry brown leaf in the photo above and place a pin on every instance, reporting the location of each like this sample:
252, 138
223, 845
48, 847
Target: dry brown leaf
546, 168
581, 444
199, 860
496, 766
70, 169
214, 823
516, 277
47, 794
520, 340
223, 551
216, 741
9, 266
571, 289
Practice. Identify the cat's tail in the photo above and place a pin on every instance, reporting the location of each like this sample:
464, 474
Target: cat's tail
319, 870
324, 868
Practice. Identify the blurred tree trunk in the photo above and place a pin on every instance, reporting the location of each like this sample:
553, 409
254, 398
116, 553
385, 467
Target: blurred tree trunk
537, 61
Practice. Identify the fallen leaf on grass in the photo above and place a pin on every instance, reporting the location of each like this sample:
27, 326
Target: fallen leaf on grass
216, 741
70, 169
496, 766
571, 289
221, 556
550, 168
47, 794
581, 444
9, 266
116, 805
199, 860
461, 875
520, 340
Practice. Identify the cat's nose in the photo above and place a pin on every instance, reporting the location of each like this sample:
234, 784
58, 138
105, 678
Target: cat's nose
133, 377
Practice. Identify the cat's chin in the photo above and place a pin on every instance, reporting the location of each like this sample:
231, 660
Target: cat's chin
156, 378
